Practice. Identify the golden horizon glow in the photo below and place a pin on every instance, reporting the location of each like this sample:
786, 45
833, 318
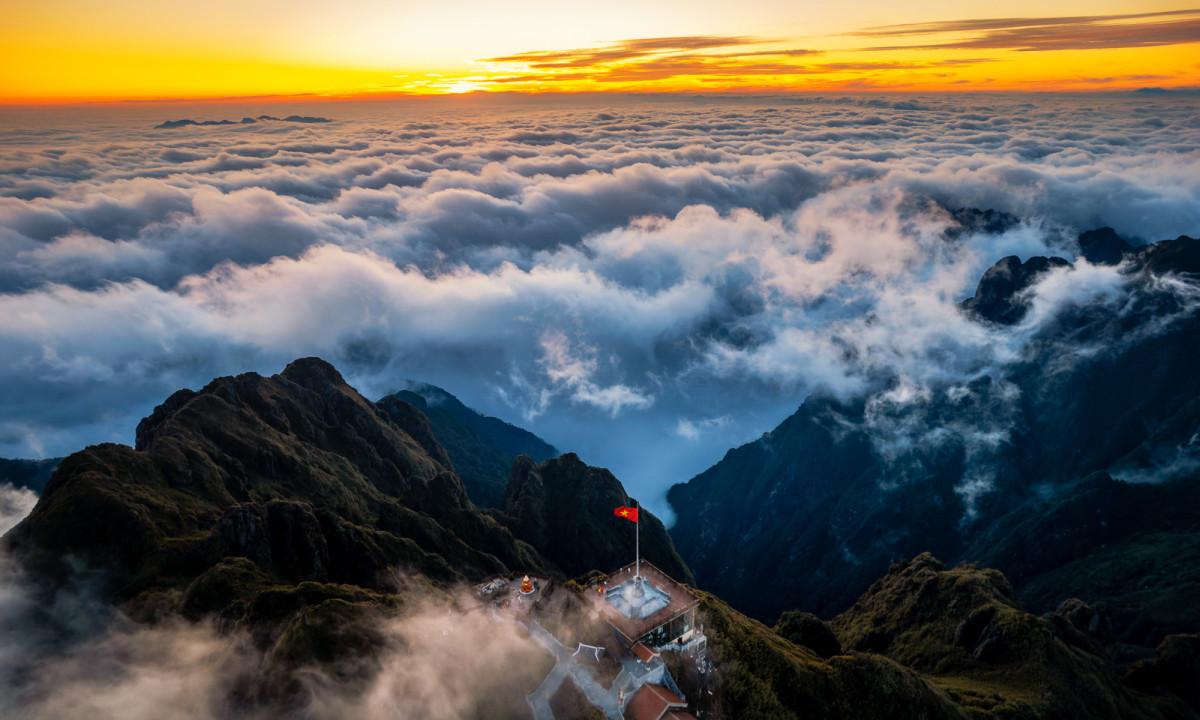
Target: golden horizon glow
63, 51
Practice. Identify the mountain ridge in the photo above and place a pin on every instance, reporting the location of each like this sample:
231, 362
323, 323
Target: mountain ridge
284, 459
480, 448
817, 509
293, 513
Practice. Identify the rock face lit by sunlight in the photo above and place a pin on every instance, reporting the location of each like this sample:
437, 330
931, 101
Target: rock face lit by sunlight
646, 283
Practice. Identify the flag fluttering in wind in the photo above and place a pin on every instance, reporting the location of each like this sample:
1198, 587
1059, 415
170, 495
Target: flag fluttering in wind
626, 512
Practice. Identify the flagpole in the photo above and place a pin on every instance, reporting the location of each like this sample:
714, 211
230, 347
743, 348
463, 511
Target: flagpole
638, 541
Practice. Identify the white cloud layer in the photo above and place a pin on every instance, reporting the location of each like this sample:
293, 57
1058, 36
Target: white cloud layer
615, 276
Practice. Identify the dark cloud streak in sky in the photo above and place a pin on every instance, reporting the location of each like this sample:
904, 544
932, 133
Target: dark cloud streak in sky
620, 51
1050, 33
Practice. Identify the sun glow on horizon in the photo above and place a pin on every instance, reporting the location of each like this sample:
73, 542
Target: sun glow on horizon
260, 49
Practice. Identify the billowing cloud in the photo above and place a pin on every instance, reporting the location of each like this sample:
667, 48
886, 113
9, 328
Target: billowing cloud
622, 275
573, 369
73, 655
15, 504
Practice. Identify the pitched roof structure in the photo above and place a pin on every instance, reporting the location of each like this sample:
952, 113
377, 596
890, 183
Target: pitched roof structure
653, 702
643, 652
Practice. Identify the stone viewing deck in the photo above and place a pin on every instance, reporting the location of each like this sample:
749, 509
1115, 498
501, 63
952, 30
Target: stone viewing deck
661, 600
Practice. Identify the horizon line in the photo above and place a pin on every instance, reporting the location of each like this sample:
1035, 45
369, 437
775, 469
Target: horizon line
1181, 90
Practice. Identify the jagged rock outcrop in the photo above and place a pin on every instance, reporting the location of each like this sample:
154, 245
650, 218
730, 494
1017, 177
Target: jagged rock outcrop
564, 508
999, 297
1178, 256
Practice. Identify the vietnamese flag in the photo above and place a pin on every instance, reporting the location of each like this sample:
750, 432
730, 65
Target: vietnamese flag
626, 512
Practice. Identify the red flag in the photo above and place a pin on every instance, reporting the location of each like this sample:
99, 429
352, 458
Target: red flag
626, 512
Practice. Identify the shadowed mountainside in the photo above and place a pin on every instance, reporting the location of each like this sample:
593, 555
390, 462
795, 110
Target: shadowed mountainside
296, 473
32, 474
282, 507
987, 470
965, 630
293, 508
481, 448
927, 642
564, 508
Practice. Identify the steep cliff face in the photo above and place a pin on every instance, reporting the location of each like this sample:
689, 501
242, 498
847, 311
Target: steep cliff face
564, 509
821, 505
481, 448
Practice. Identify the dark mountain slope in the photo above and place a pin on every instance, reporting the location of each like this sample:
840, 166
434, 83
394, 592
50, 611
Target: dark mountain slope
965, 630
32, 474
826, 501
927, 642
308, 522
481, 448
564, 509
297, 472
283, 506
761, 675
1132, 550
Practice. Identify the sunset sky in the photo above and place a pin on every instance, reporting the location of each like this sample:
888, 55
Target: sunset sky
71, 50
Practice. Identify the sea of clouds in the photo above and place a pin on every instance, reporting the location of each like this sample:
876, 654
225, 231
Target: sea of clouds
645, 281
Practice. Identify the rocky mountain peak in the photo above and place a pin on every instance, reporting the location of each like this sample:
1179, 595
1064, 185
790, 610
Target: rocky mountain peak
1181, 255
296, 471
1103, 246
564, 508
314, 374
998, 297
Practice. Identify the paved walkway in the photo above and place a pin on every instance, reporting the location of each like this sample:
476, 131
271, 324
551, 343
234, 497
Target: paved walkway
539, 700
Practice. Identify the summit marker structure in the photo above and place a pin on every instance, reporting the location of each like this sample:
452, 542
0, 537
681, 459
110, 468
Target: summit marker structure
631, 513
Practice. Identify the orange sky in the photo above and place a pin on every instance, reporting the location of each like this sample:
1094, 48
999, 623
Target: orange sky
77, 50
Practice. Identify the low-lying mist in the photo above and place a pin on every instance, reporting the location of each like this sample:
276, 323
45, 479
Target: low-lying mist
70, 654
